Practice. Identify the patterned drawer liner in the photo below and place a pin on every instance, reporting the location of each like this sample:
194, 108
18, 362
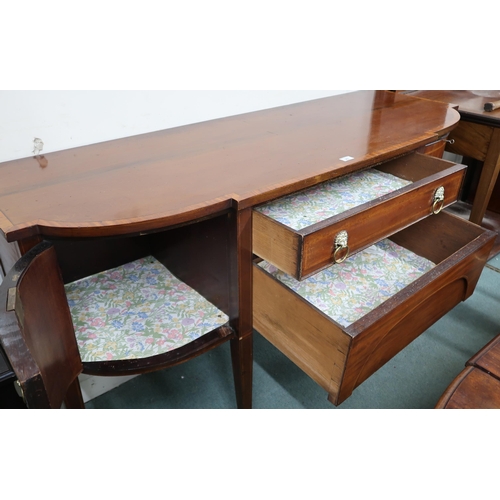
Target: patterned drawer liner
349, 291
136, 311
301, 210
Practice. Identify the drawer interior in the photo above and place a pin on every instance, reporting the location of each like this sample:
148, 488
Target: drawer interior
319, 203
349, 291
415, 167
302, 210
439, 237
443, 260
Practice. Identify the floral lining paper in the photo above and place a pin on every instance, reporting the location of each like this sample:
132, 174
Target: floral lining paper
348, 291
136, 311
301, 210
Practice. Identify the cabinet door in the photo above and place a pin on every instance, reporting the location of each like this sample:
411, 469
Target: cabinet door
36, 330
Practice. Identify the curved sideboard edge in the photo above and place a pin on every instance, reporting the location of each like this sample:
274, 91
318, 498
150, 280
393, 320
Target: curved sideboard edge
156, 222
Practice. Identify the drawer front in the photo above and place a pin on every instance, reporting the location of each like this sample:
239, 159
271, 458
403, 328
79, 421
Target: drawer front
436, 149
341, 358
302, 253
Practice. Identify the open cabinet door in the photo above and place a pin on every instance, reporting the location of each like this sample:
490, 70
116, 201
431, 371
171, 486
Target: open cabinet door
36, 331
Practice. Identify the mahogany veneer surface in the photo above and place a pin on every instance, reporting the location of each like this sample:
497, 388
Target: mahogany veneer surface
478, 386
473, 389
170, 177
488, 359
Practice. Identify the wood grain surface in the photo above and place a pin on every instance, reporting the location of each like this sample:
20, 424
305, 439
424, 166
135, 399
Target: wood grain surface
174, 176
473, 389
488, 359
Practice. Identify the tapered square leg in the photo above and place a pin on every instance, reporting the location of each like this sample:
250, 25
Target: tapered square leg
242, 358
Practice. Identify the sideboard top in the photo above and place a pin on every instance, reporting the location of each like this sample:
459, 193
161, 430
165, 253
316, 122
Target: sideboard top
173, 176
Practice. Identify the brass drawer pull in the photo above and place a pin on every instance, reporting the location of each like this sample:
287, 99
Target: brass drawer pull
438, 204
341, 247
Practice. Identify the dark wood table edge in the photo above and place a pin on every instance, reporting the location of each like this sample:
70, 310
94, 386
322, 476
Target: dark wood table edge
473, 365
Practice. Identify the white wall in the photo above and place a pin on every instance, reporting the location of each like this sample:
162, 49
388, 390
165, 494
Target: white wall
66, 119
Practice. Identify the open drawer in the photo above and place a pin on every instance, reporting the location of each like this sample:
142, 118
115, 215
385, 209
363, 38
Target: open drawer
309, 231
340, 358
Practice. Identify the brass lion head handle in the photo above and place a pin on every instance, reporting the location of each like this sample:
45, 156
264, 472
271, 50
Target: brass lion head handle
341, 251
438, 204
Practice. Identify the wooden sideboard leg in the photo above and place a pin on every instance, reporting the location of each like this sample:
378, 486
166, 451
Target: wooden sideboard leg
74, 399
488, 179
241, 306
242, 358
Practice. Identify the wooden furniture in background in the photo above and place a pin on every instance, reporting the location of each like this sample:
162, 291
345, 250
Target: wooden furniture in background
187, 196
473, 389
477, 137
478, 386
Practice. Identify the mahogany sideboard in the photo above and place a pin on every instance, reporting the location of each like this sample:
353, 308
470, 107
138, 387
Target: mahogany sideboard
193, 190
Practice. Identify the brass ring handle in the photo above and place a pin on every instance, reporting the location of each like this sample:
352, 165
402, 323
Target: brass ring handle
336, 255
438, 203
437, 207
341, 245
